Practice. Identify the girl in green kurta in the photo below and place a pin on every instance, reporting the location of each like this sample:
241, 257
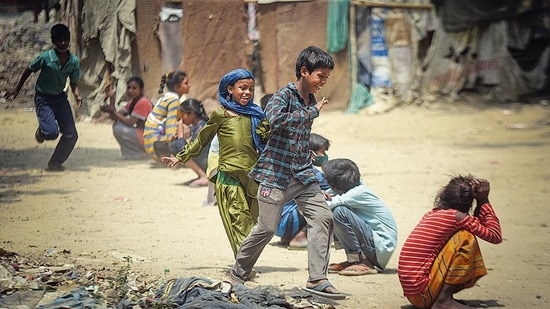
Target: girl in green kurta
242, 131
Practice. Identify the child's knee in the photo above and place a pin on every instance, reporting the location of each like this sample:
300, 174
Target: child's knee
71, 136
339, 212
324, 217
271, 231
118, 130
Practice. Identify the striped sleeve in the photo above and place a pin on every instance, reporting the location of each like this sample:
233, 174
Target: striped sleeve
486, 226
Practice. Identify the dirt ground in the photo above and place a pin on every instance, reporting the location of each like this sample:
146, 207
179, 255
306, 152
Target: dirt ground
102, 207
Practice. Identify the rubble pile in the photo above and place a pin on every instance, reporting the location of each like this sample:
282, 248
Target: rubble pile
54, 274
51, 281
21, 40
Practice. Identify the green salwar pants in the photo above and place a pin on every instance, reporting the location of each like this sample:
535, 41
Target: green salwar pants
236, 195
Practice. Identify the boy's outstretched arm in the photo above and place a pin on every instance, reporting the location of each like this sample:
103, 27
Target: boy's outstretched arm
76, 92
15, 91
321, 103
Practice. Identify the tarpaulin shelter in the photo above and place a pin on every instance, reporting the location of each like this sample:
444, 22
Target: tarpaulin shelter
222, 35
408, 49
387, 52
105, 34
217, 36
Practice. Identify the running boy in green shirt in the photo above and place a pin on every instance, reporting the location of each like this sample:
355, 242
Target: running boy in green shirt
52, 107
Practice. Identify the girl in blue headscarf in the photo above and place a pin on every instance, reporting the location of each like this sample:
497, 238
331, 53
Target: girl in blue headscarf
242, 131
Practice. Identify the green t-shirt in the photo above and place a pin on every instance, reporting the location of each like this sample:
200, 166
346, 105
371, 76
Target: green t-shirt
53, 77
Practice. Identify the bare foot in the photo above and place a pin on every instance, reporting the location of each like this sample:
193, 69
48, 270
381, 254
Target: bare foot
283, 242
199, 182
299, 240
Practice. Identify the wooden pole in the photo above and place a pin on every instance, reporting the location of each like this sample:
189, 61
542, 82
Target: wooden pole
352, 47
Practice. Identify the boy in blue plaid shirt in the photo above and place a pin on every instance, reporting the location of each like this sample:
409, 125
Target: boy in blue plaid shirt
284, 172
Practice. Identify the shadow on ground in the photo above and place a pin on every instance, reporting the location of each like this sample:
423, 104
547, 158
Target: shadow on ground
474, 303
21, 167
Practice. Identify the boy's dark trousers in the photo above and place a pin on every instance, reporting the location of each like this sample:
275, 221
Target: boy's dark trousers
54, 117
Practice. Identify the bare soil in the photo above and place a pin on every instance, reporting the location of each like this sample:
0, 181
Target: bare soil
103, 208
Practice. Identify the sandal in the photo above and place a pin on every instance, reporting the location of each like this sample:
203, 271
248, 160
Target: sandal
302, 246
323, 289
334, 268
357, 270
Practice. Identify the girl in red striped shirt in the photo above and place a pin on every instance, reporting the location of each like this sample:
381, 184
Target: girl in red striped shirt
441, 256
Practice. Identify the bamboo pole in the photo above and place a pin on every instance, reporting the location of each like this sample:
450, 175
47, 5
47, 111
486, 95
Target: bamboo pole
395, 5
353, 47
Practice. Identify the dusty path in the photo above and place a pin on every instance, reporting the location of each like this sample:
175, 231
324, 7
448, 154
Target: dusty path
103, 208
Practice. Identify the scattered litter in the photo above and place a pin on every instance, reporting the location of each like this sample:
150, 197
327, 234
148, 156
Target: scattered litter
125, 256
39, 284
121, 199
51, 252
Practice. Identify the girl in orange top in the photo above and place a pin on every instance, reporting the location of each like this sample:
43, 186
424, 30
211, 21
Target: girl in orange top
130, 120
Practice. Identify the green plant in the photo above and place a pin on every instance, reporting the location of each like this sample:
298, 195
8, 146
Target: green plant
121, 282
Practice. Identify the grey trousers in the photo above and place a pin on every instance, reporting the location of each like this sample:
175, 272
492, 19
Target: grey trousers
311, 202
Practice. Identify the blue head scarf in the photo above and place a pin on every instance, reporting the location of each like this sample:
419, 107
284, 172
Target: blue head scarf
250, 109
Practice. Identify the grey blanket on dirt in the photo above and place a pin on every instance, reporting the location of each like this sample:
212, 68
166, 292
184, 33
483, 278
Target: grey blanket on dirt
196, 292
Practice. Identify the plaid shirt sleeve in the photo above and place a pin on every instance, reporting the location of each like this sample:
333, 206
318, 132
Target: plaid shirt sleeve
287, 151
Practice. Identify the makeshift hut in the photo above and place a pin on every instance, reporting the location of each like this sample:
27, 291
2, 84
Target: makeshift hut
265, 38
387, 52
406, 51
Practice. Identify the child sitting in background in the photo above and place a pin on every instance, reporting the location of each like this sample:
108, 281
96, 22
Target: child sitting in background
211, 171
130, 120
363, 224
265, 99
162, 123
192, 117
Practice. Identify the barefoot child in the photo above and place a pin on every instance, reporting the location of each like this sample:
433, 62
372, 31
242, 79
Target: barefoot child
242, 130
193, 117
441, 256
284, 172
